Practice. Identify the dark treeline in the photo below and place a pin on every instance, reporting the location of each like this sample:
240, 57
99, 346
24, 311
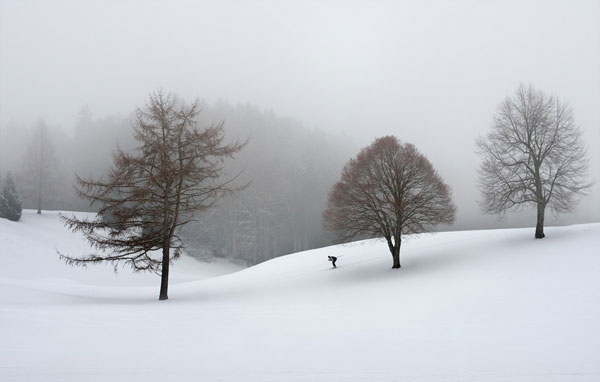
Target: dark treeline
289, 166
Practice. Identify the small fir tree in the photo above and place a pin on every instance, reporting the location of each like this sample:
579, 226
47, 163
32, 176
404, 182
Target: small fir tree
10, 200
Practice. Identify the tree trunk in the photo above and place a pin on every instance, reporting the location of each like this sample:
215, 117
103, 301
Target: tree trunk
396, 254
39, 203
39, 195
40, 165
164, 278
539, 227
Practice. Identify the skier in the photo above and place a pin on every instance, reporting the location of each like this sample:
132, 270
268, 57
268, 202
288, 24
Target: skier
333, 259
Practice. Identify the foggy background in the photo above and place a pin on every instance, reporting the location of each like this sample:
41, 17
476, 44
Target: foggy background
310, 83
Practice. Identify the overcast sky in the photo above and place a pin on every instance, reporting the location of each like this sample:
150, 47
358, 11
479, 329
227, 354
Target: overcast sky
429, 72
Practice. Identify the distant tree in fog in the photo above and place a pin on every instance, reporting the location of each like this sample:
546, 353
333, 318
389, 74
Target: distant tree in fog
39, 177
94, 140
388, 190
151, 193
533, 156
10, 200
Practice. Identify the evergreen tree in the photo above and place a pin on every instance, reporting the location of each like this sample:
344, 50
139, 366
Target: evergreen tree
10, 200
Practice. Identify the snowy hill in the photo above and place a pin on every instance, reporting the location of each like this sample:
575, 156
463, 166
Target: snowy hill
491, 305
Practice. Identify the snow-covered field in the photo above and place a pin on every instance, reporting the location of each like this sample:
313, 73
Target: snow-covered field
491, 305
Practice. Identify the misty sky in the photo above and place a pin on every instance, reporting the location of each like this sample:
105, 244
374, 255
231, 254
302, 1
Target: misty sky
429, 72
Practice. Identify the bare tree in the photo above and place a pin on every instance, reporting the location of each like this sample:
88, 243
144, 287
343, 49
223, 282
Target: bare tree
388, 190
150, 194
39, 176
533, 156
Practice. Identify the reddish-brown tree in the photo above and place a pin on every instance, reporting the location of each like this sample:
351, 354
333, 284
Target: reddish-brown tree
388, 190
533, 156
151, 193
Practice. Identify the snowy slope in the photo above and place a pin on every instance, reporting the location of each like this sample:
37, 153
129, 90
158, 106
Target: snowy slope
29, 259
491, 305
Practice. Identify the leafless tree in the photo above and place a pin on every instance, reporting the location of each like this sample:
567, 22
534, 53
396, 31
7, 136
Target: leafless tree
39, 177
151, 193
533, 156
388, 190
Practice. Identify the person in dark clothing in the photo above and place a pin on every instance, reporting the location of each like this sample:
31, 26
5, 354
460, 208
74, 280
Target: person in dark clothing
333, 259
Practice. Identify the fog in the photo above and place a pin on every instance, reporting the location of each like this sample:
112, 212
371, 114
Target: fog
431, 73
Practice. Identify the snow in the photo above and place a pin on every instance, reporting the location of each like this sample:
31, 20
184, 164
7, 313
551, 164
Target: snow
491, 305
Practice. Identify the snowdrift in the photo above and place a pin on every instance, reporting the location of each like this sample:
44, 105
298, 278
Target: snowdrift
465, 306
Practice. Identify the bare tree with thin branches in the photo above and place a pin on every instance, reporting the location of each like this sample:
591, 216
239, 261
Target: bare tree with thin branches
388, 190
151, 193
533, 156
39, 176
